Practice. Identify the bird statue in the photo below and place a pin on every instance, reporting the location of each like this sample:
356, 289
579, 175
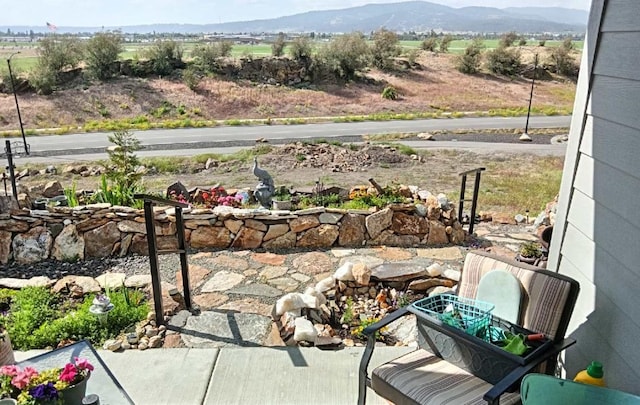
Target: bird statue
265, 188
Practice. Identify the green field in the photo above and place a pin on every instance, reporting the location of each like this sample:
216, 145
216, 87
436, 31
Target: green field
459, 45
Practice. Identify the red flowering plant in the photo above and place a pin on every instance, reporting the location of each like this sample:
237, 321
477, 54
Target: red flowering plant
31, 387
178, 197
218, 196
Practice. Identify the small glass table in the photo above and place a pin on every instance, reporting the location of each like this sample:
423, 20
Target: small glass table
102, 382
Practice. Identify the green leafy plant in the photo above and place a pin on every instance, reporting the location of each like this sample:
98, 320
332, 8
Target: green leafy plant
347, 315
72, 197
390, 93
530, 249
364, 323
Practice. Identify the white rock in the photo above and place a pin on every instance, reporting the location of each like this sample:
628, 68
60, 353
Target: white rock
325, 284
443, 200
304, 331
343, 273
434, 270
293, 301
525, 138
452, 274
320, 298
112, 344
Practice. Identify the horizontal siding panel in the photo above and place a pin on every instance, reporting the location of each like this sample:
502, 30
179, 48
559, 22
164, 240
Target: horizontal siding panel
579, 249
586, 299
584, 175
621, 15
616, 100
619, 55
615, 234
619, 192
581, 213
613, 144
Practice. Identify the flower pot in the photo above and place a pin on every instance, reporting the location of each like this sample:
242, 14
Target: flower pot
40, 203
8, 401
60, 200
73, 395
281, 205
6, 350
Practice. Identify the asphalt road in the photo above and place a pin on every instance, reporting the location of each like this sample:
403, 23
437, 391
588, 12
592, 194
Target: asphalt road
89, 146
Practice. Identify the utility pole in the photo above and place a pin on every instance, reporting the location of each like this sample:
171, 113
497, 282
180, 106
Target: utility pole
15, 96
533, 82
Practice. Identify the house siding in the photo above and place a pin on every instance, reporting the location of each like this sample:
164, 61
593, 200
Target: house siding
597, 235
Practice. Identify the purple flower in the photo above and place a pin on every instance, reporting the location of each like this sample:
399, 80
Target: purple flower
44, 392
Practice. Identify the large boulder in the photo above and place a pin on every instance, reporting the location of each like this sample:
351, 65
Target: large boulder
99, 242
68, 245
32, 246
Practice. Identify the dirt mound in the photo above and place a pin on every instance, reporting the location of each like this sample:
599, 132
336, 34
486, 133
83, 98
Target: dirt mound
334, 158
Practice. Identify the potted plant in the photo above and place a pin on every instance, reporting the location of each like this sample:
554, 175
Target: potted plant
282, 199
529, 252
66, 386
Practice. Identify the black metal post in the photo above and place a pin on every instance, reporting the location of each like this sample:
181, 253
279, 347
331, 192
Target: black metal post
461, 203
14, 188
184, 266
15, 97
474, 203
533, 82
153, 262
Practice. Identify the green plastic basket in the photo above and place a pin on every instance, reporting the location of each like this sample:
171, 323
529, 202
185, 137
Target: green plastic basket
466, 314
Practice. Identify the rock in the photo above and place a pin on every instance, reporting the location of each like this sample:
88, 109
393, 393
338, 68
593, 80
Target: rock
269, 258
285, 284
399, 271
286, 241
132, 227
111, 280
222, 281
452, 274
210, 163
426, 284
403, 330
303, 223
99, 241
388, 238
304, 331
32, 246
378, 222
143, 346
5, 246
210, 237
53, 189
445, 253
247, 238
155, 341
352, 230
458, 235
233, 225
19, 283
208, 301
178, 189
68, 245
437, 234
292, 301
276, 231
325, 284
331, 218
231, 263
348, 342
247, 306
434, 270
405, 224
138, 281
257, 289
361, 274
13, 225
327, 341
519, 218
313, 263
270, 272
322, 236
112, 345
440, 290
344, 272
394, 254
86, 284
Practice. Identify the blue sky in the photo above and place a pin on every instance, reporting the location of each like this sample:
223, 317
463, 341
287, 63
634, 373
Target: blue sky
130, 12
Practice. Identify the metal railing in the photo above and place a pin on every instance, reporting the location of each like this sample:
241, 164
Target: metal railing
474, 200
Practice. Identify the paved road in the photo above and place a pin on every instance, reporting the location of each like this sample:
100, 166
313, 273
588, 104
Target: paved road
228, 136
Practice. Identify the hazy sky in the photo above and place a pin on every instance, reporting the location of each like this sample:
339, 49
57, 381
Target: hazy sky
130, 12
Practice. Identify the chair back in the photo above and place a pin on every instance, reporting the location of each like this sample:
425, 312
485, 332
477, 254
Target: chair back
548, 298
540, 389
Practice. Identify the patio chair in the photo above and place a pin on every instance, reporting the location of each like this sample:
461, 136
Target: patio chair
429, 376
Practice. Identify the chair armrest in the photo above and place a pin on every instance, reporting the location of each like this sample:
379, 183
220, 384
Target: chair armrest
399, 313
503, 385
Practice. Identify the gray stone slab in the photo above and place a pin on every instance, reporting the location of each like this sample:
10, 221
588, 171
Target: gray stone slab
222, 329
401, 271
292, 376
257, 289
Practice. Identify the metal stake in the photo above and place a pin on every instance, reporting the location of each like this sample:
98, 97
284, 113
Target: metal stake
15, 96
7, 149
533, 82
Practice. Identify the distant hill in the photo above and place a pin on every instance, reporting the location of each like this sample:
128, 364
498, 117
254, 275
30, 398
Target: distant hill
419, 16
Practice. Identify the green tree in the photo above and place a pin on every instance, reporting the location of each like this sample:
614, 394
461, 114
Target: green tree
568, 44
469, 61
277, 47
345, 55
101, 52
56, 54
504, 61
522, 42
563, 62
165, 56
207, 56
124, 161
385, 48
445, 42
508, 39
430, 44
301, 49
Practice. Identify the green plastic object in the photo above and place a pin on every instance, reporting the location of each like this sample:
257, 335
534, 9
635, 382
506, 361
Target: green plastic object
595, 370
541, 389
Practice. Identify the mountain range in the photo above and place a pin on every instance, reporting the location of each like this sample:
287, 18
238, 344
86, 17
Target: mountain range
419, 16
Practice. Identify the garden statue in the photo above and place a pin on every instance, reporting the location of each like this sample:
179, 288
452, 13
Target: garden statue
265, 188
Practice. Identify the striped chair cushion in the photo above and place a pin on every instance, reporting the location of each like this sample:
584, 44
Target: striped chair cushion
544, 296
423, 378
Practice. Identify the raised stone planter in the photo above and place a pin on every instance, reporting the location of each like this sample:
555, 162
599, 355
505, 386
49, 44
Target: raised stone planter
100, 230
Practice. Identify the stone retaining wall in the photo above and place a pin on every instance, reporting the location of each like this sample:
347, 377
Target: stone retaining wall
100, 230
